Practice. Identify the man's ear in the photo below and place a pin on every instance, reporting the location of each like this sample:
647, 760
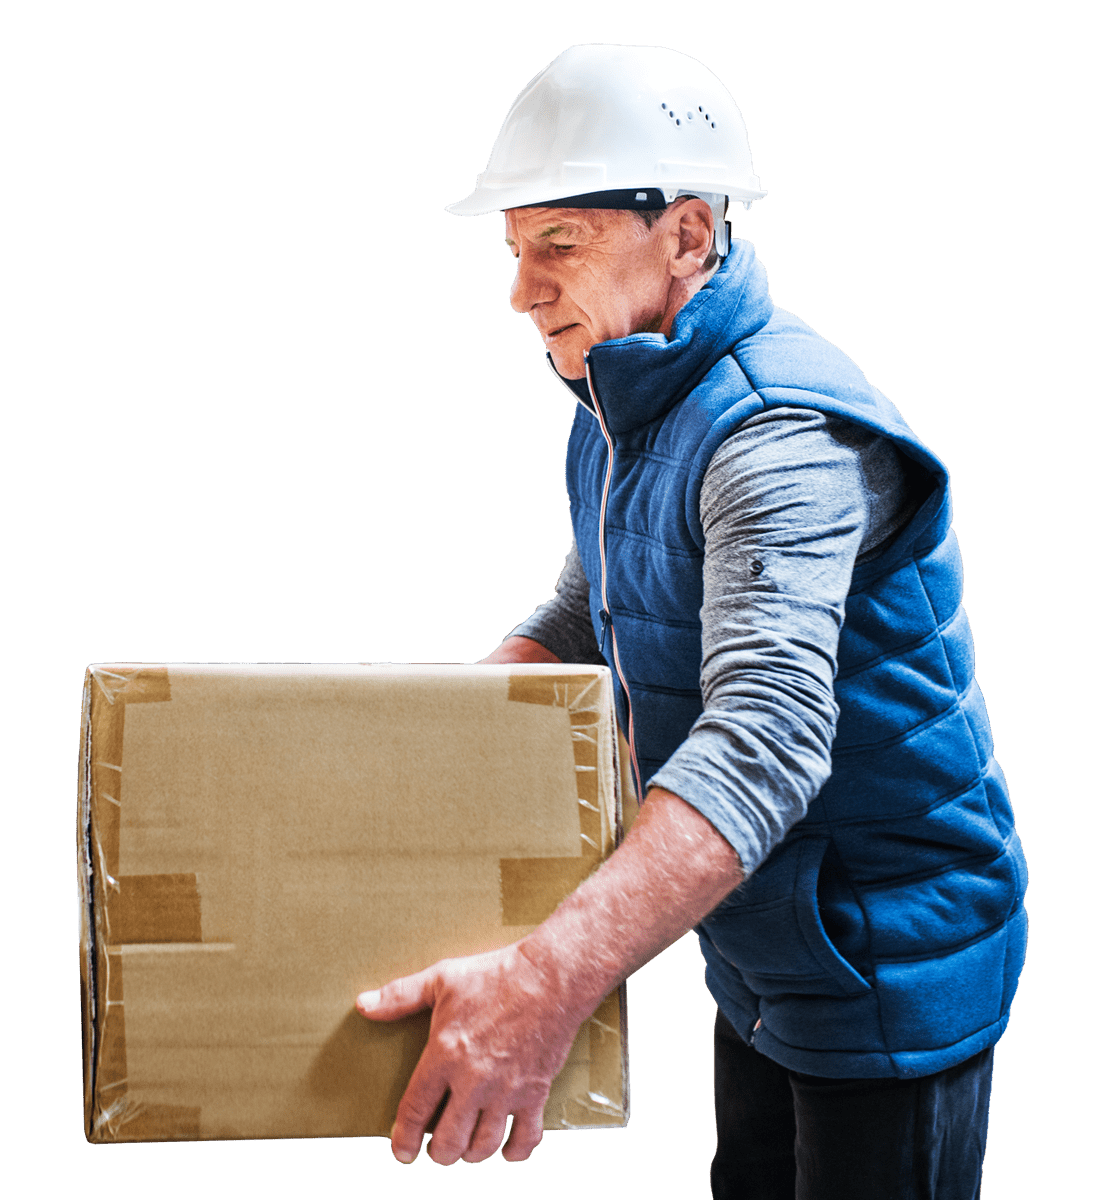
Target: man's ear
693, 226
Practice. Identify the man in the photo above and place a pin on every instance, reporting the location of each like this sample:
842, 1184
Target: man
763, 555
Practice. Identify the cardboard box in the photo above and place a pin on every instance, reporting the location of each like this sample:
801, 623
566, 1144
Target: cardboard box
259, 844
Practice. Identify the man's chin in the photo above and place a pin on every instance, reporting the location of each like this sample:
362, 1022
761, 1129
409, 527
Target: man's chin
569, 365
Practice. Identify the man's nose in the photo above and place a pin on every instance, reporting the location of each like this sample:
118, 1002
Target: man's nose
532, 285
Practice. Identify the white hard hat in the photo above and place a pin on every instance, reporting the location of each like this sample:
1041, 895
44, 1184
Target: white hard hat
619, 127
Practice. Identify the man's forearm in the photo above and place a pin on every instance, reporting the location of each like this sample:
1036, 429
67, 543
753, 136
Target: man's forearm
672, 870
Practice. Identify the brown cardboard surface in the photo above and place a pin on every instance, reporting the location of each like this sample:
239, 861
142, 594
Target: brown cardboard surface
259, 844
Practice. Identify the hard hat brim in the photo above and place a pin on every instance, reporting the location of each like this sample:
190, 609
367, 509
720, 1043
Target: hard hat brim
485, 200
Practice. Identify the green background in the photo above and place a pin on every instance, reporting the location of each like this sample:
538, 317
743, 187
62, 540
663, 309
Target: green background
268, 402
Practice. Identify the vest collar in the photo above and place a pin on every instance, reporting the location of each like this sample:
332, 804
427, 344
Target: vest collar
638, 378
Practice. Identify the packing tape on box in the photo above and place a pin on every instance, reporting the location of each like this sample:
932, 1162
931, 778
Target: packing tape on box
137, 908
132, 685
156, 908
138, 1122
115, 1117
134, 910
113, 690
533, 887
562, 691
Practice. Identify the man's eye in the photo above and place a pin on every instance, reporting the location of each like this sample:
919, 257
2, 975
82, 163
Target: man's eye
556, 247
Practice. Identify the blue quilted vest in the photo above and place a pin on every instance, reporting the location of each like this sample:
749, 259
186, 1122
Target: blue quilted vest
885, 934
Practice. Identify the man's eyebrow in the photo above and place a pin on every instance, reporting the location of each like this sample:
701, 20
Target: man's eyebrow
565, 227
553, 230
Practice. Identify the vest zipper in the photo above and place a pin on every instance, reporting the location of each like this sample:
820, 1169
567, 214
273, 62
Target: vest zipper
607, 620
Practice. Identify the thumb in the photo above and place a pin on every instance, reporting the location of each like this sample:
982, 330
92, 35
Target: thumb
400, 998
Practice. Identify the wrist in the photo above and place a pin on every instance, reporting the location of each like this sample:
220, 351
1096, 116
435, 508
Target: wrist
579, 963
672, 869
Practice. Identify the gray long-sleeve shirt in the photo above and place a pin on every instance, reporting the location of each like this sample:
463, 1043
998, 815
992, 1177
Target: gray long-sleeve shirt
807, 496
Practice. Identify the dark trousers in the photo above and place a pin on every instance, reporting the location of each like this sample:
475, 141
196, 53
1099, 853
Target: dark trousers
787, 1136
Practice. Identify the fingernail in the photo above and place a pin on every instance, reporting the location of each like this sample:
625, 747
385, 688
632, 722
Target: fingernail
368, 999
404, 1156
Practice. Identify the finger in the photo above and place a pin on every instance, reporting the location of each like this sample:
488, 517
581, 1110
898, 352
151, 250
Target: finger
425, 1093
454, 1130
400, 997
488, 1136
526, 1131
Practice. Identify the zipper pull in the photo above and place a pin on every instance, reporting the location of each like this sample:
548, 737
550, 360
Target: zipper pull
605, 617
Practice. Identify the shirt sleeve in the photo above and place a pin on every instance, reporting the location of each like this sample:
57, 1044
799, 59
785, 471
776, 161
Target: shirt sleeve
563, 624
787, 505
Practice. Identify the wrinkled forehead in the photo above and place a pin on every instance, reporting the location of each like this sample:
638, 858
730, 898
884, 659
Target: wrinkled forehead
541, 224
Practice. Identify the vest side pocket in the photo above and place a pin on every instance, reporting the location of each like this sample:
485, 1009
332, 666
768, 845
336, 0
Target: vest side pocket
812, 856
770, 929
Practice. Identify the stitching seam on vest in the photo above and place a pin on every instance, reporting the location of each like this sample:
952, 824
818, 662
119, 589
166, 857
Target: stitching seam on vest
632, 614
906, 735
945, 951
831, 822
905, 647
975, 860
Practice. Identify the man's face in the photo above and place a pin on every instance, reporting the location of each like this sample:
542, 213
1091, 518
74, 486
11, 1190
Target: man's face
588, 275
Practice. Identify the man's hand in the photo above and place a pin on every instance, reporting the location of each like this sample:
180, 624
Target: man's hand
498, 1037
503, 1022
520, 650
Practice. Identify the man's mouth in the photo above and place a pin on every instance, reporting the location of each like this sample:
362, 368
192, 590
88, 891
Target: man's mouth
554, 333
